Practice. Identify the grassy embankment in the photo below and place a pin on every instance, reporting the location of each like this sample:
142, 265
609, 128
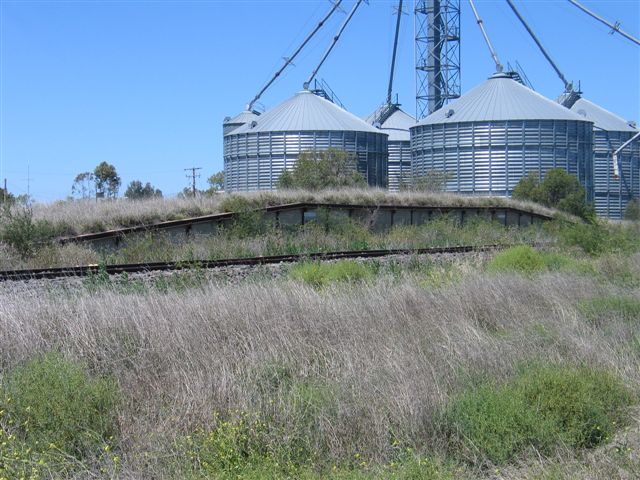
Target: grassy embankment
525, 366
26, 238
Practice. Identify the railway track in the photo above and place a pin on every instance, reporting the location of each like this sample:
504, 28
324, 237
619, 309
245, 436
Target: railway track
87, 270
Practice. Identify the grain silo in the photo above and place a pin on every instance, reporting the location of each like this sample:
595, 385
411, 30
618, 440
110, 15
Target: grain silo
259, 151
492, 136
610, 132
229, 124
396, 123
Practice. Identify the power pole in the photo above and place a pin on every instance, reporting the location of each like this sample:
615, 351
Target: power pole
4, 193
193, 176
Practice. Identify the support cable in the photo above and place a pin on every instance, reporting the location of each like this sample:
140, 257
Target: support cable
290, 59
614, 27
499, 67
333, 43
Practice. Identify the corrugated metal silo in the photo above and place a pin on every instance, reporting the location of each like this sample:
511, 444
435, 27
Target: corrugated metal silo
397, 125
610, 132
256, 153
492, 136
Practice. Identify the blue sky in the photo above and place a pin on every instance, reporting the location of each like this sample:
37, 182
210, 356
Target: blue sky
145, 84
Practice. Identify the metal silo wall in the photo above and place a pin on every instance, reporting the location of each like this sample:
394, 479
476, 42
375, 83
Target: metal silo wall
399, 164
490, 158
255, 161
612, 195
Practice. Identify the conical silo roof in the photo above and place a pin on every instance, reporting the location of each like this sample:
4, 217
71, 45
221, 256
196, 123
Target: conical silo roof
306, 111
601, 118
500, 98
230, 124
397, 126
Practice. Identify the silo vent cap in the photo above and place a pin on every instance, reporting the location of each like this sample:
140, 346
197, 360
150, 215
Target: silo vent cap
450, 113
632, 124
582, 112
254, 124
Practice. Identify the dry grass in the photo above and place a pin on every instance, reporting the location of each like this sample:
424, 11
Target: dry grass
89, 216
392, 352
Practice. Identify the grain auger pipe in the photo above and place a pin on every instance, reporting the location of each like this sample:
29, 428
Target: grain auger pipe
333, 43
289, 60
393, 57
568, 86
614, 156
614, 27
494, 55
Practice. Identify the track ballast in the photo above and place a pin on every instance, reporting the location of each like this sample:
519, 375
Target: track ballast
88, 270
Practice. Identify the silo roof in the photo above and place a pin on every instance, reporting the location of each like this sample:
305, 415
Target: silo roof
601, 118
500, 98
397, 126
243, 117
306, 111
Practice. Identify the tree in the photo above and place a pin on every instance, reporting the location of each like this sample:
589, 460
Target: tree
84, 185
6, 197
107, 180
135, 191
559, 189
318, 170
216, 183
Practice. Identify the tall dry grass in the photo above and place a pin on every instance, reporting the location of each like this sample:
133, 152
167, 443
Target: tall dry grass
91, 216
390, 353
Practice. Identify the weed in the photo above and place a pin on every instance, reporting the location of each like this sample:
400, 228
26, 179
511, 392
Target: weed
54, 414
543, 407
320, 274
598, 310
521, 259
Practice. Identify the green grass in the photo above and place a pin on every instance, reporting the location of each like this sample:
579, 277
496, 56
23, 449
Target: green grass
543, 407
320, 274
600, 309
521, 259
55, 416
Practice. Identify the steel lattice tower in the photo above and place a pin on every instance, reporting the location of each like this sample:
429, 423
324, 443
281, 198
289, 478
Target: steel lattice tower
437, 54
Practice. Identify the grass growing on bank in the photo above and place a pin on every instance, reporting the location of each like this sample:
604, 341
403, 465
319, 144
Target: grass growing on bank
543, 408
56, 420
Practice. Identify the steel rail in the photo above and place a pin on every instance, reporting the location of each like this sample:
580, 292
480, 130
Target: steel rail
88, 270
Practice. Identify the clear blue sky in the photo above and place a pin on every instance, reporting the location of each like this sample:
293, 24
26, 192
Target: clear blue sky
145, 85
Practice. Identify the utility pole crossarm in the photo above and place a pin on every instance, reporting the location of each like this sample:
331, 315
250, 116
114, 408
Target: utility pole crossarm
614, 27
290, 59
333, 44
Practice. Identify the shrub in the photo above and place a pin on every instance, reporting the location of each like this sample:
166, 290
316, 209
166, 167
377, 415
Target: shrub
521, 259
320, 274
54, 403
320, 170
597, 238
22, 232
599, 309
543, 407
632, 210
559, 189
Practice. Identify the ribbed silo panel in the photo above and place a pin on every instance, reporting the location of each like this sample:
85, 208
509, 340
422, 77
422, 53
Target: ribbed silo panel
399, 166
255, 161
611, 194
490, 158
